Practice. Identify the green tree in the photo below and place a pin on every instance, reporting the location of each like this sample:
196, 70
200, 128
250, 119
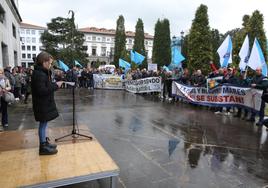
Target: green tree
162, 42
255, 29
120, 40
184, 50
63, 41
199, 43
216, 42
139, 41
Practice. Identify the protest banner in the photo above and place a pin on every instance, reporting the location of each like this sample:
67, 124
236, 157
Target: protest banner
152, 67
107, 81
222, 96
145, 85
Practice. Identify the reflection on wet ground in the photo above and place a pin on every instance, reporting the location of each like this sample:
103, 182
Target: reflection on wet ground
158, 144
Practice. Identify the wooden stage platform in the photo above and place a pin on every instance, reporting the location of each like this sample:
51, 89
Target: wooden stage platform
76, 161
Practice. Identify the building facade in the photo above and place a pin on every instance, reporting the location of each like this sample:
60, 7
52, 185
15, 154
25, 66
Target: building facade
9, 33
100, 44
30, 42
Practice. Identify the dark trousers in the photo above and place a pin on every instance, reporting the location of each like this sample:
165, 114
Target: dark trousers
17, 92
27, 96
262, 110
4, 111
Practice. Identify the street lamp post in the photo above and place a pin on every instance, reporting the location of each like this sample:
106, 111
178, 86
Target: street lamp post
182, 33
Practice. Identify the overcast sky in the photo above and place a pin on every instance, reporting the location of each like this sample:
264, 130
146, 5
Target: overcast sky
224, 15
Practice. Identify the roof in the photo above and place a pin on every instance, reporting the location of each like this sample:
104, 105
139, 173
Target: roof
31, 26
111, 32
16, 10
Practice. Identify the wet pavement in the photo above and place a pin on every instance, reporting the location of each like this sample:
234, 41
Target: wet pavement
163, 145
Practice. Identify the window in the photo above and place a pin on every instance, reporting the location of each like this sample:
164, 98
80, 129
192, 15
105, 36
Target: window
103, 51
14, 31
23, 64
94, 38
23, 47
150, 42
130, 41
33, 40
28, 40
108, 39
94, 51
15, 58
88, 38
28, 31
29, 56
112, 51
40, 32
22, 31
33, 48
34, 55
23, 56
2, 14
103, 39
146, 42
98, 38
28, 48
33, 32
22, 39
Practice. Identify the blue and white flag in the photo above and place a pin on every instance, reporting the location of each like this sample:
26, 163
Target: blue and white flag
136, 57
177, 58
63, 66
244, 54
77, 63
256, 59
124, 64
225, 52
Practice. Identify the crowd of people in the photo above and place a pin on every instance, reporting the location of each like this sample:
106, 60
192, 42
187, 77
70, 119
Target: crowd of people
84, 78
18, 81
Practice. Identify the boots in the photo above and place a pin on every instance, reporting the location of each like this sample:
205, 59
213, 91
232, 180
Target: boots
44, 149
47, 148
54, 146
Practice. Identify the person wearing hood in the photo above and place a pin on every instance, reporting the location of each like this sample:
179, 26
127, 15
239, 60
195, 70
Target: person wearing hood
44, 106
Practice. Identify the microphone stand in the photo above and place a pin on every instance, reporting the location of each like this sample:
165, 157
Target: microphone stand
75, 132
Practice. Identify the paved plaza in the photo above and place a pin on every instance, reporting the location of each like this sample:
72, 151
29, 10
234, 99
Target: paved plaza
162, 145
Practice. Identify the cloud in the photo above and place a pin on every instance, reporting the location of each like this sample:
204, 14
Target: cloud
223, 14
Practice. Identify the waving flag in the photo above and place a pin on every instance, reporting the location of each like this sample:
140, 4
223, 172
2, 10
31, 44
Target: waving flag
244, 54
77, 63
63, 66
225, 52
124, 64
177, 57
136, 57
256, 59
